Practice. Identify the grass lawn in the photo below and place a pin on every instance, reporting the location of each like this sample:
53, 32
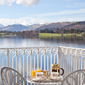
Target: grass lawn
7, 34
78, 34
50, 35
2, 33
69, 34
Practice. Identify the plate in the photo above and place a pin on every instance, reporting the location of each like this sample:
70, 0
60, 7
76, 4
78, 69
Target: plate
38, 79
60, 78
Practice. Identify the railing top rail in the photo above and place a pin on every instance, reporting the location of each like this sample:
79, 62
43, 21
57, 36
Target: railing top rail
43, 47
72, 48
30, 47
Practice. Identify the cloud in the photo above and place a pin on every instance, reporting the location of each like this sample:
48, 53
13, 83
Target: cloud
27, 2
23, 21
24, 2
64, 12
65, 15
2, 1
8, 2
71, 19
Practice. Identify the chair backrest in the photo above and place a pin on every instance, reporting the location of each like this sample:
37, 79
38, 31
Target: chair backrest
75, 78
10, 76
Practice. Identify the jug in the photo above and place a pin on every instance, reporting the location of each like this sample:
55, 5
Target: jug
56, 68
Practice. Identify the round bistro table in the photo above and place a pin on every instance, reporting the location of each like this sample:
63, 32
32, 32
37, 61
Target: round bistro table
29, 80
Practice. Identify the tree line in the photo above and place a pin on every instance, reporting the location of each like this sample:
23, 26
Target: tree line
63, 31
35, 33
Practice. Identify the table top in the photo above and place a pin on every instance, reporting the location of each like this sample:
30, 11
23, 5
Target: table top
29, 80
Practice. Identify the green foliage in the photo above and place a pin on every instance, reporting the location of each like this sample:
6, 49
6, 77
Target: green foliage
46, 31
65, 31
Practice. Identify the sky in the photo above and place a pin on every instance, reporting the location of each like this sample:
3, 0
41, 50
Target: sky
28, 12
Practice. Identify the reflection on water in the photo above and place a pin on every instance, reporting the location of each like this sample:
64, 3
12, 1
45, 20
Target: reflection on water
66, 39
30, 42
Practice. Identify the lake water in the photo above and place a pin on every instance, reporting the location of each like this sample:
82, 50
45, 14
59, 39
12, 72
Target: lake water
14, 42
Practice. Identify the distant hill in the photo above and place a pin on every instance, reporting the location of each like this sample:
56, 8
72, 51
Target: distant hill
54, 26
1, 25
50, 26
14, 27
75, 25
32, 27
19, 27
64, 25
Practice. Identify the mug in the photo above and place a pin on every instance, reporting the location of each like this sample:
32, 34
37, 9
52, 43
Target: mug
39, 74
54, 74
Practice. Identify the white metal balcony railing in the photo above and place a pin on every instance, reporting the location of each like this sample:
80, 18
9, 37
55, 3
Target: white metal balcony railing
24, 60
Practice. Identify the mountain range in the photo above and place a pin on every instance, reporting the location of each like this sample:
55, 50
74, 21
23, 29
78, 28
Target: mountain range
50, 26
1, 26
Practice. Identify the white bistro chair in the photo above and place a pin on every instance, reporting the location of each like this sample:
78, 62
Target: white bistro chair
10, 76
75, 78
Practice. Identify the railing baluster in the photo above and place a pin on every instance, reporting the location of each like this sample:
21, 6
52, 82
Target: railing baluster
34, 62
47, 63
45, 59
84, 63
63, 57
27, 67
2, 62
7, 57
76, 60
23, 64
54, 58
7, 61
20, 64
74, 63
38, 59
51, 60
13, 62
16, 64
81, 65
41, 61
81, 59
71, 63
58, 55
31, 64
67, 60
